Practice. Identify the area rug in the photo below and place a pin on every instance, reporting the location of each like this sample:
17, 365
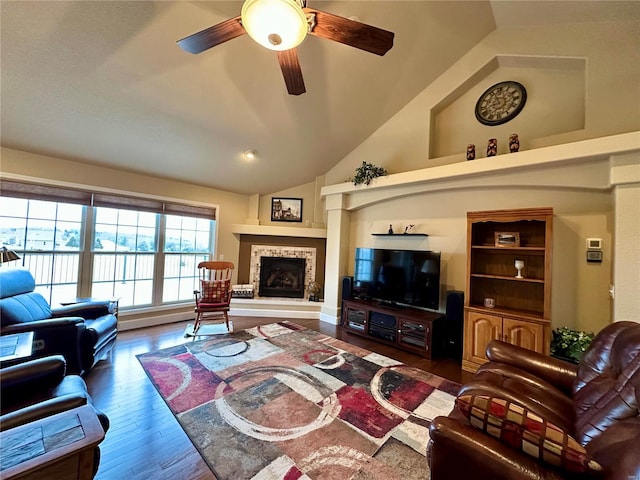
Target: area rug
207, 329
280, 401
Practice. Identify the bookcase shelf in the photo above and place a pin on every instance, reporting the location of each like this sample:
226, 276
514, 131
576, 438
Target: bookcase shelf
509, 279
400, 234
521, 311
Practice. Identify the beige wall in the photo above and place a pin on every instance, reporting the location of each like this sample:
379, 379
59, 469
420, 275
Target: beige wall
627, 254
553, 85
579, 290
232, 207
612, 96
607, 102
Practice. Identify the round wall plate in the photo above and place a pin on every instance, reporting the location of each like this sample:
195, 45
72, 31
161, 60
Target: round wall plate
500, 103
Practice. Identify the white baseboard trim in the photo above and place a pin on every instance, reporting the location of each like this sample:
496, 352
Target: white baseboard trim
152, 321
253, 312
332, 319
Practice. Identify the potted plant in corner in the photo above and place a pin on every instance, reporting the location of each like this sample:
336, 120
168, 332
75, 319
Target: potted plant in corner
570, 345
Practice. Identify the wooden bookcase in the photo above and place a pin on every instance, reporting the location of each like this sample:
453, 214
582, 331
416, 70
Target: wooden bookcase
522, 311
407, 328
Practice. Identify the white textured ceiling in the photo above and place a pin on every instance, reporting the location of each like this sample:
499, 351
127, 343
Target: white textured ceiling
105, 83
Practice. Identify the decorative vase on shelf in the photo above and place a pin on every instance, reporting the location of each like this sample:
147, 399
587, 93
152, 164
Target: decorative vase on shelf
514, 143
390, 232
492, 147
471, 151
519, 264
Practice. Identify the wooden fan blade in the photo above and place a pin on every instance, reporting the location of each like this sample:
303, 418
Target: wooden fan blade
212, 36
352, 33
291, 71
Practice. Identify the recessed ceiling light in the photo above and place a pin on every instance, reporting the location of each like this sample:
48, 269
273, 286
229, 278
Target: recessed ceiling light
250, 154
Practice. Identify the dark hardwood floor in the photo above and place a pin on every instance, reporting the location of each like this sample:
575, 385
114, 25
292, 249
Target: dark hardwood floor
145, 441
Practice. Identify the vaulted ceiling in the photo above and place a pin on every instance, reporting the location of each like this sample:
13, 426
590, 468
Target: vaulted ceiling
103, 82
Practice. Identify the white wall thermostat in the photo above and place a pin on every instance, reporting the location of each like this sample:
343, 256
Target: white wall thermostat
594, 243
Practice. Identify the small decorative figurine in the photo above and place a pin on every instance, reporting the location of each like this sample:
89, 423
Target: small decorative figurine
314, 290
492, 147
471, 151
514, 143
408, 229
390, 232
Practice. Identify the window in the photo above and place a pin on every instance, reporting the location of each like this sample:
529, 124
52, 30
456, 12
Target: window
188, 242
48, 238
124, 250
77, 243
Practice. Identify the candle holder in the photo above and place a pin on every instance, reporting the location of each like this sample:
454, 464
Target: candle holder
489, 302
471, 151
514, 143
492, 147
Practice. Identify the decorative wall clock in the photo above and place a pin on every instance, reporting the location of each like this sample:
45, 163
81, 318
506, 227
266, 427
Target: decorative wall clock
500, 103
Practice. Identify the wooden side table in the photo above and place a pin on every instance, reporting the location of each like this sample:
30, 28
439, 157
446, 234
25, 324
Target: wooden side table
58, 447
16, 346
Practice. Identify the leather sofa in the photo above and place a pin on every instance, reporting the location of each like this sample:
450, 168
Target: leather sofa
83, 333
38, 389
594, 404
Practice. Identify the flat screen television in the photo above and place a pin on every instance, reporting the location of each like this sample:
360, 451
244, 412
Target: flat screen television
398, 277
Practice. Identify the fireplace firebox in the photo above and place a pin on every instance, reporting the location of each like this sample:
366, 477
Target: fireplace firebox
282, 277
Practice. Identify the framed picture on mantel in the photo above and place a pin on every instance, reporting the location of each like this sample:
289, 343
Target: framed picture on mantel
286, 209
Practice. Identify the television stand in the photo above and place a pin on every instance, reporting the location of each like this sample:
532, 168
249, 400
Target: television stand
406, 328
390, 305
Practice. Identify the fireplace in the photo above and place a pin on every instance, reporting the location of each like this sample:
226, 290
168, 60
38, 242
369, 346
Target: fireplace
281, 251
282, 277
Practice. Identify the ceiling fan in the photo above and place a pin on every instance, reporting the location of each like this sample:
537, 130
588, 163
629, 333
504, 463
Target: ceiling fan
282, 25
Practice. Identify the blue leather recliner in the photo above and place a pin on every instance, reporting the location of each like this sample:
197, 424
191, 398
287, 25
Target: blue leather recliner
83, 333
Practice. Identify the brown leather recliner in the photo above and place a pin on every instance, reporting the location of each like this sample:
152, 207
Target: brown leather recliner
595, 402
40, 388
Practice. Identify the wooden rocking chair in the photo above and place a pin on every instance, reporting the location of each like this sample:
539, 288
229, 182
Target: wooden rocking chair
214, 296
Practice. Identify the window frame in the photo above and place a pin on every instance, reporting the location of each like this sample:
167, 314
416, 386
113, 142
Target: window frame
160, 205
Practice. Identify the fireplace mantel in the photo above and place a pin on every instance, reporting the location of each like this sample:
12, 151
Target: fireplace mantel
277, 231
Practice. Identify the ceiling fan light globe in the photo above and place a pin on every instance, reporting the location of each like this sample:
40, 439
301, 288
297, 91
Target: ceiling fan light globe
275, 24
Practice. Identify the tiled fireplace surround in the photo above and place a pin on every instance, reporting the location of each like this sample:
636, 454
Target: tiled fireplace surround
257, 251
